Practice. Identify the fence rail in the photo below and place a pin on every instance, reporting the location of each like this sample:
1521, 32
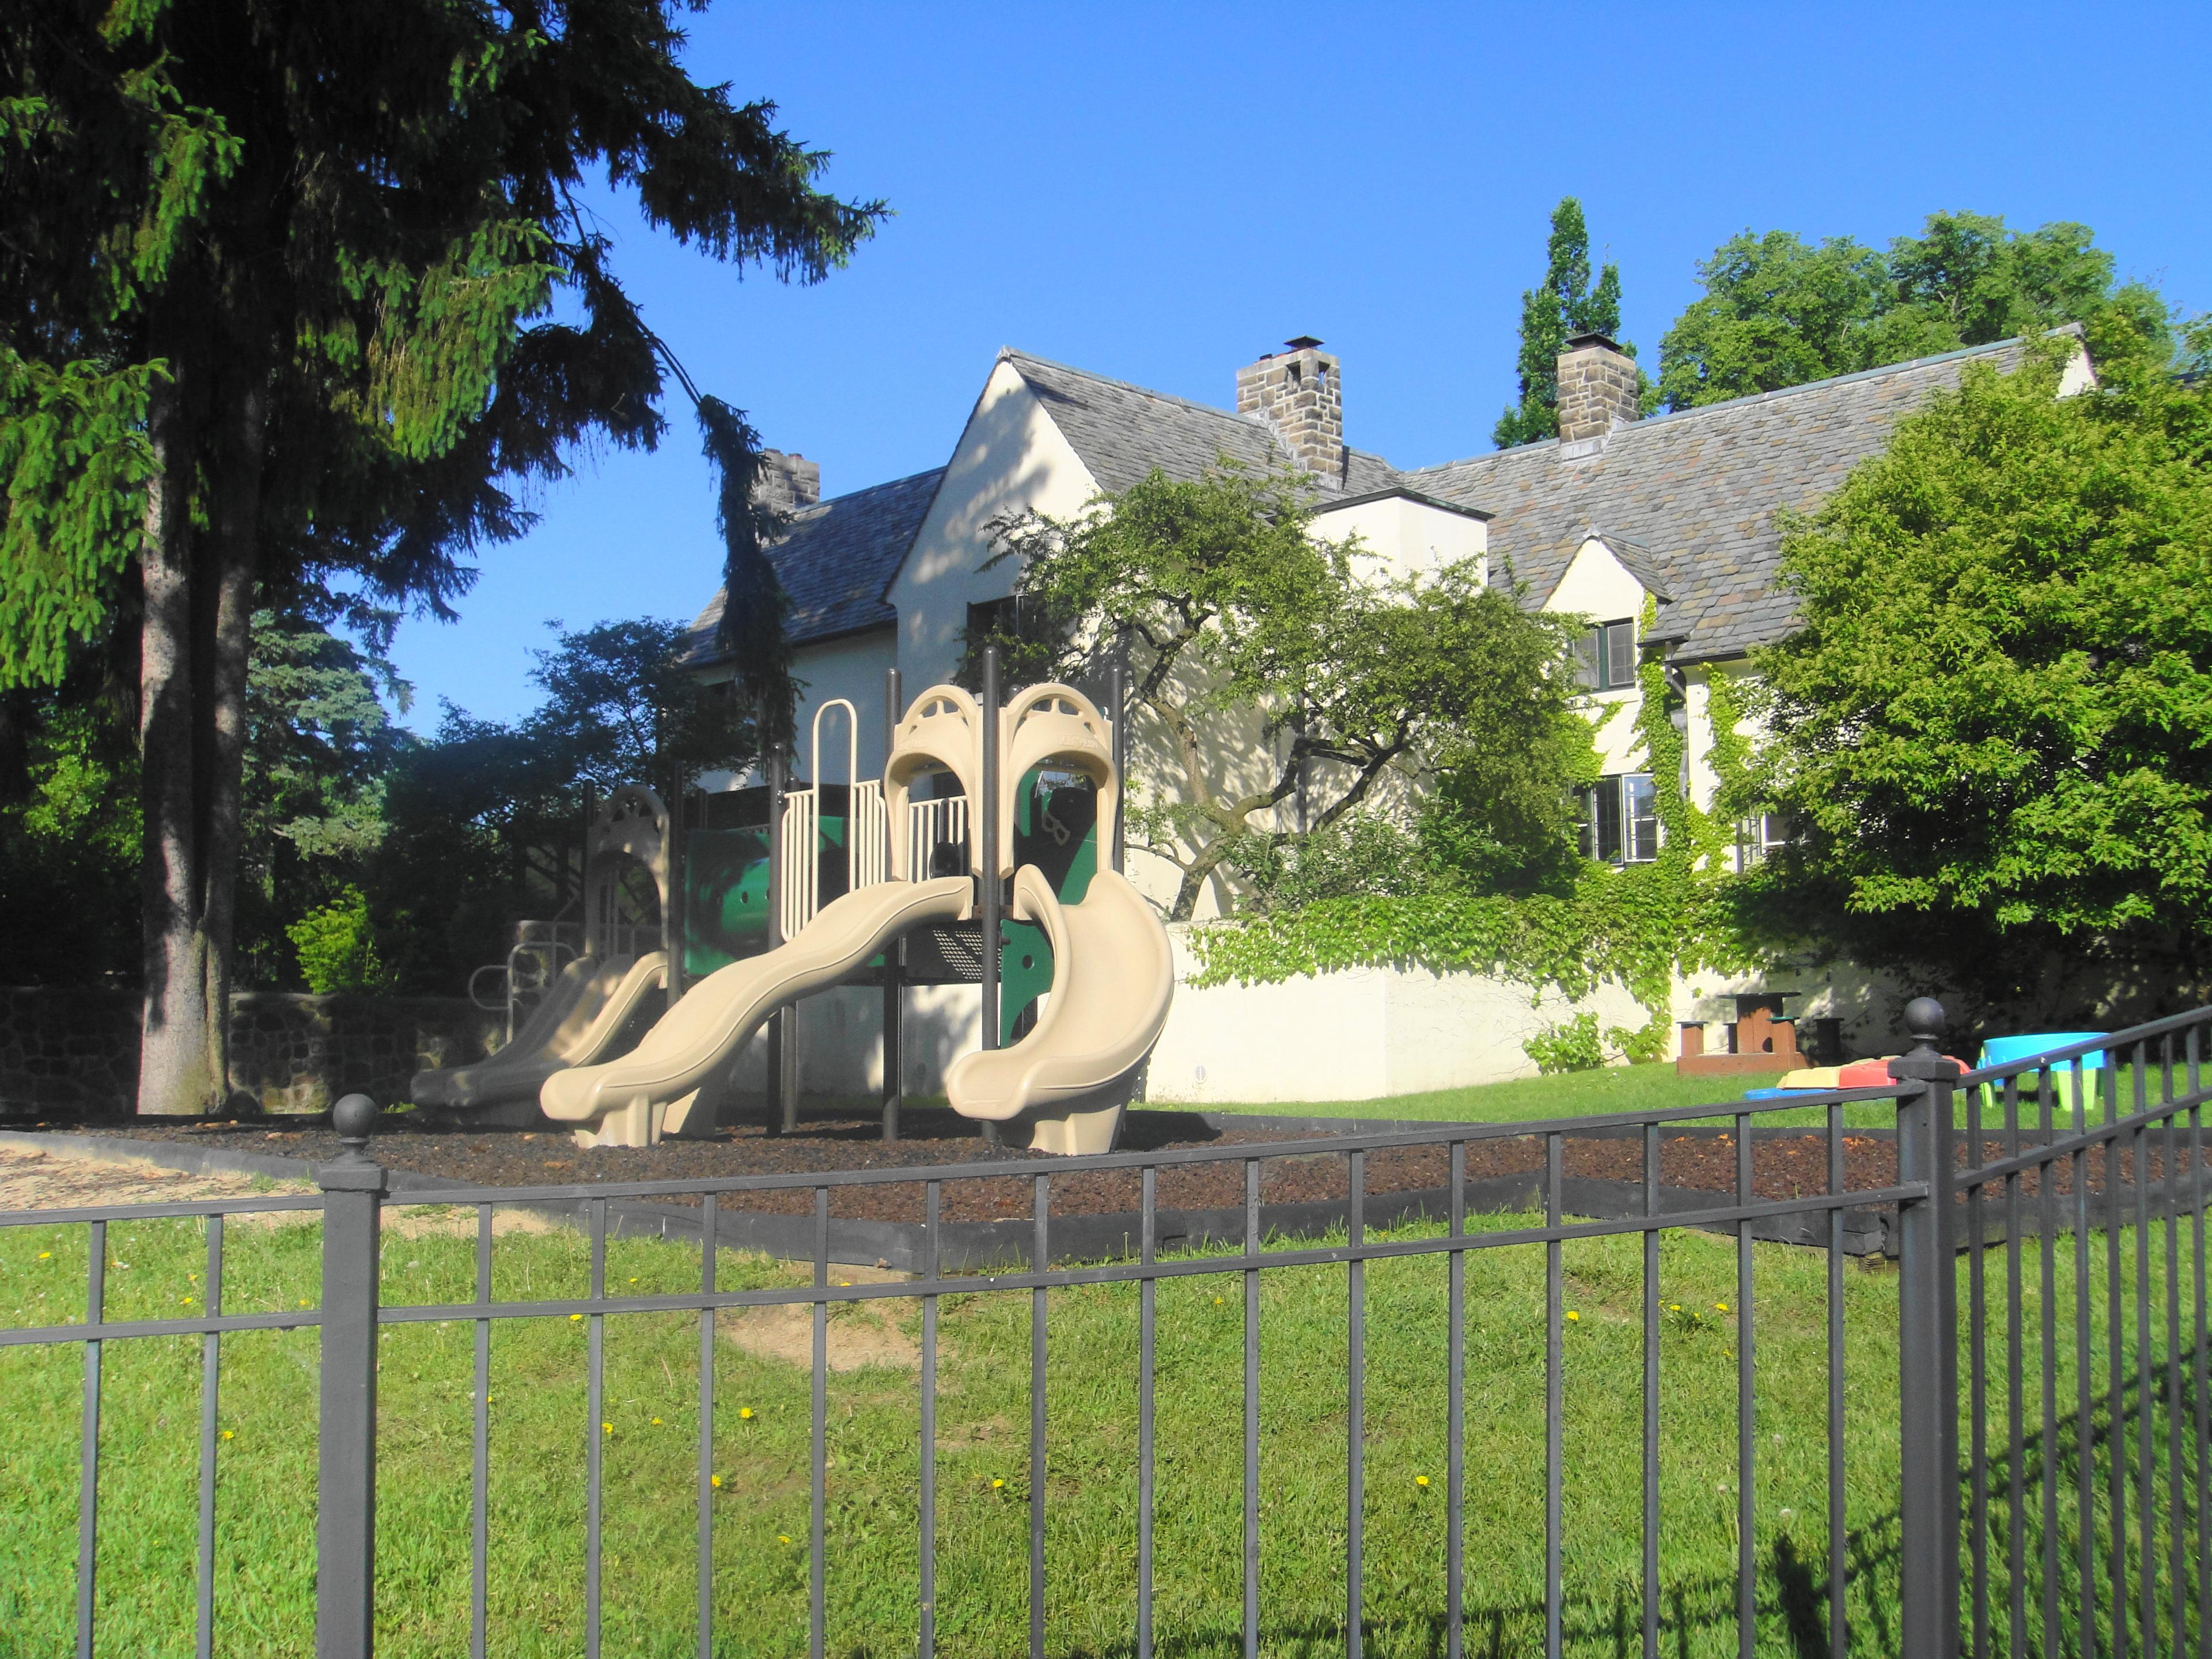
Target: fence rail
2057, 1536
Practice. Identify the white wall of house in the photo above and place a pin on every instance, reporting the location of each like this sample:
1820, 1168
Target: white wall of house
1598, 586
1404, 535
852, 668
1011, 458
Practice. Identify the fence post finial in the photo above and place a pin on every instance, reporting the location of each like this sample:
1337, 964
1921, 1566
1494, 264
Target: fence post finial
1924, 1020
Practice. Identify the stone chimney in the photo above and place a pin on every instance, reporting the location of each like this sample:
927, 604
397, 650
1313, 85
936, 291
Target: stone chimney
787, 482
1300, 393
1597, 388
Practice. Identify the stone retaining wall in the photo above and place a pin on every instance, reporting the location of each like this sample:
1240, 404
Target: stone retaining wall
78, 1050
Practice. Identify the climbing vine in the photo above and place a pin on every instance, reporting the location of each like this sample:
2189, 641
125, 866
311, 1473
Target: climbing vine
1640, 926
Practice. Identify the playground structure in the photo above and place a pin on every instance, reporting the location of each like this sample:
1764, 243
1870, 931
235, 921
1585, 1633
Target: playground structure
907, 884
594, 997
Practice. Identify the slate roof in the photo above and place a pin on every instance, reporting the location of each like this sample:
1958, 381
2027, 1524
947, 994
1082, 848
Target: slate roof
1692, 497
836, 562
1122, 432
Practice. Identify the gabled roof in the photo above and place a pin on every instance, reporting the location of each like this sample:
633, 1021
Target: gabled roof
1122, 432
1692, 496
835, 562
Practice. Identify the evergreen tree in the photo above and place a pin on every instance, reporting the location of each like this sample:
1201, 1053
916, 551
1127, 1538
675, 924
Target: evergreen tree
1564, 305
278, 305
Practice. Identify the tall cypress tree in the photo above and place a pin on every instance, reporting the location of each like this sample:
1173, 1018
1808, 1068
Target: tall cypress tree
1564, 304
278, 307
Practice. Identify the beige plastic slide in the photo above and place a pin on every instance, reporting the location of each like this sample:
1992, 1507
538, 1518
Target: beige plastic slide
649, 1093
1113, 975
589, 1006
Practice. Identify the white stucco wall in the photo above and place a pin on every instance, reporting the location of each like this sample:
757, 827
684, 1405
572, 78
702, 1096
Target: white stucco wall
1360, 1035
1597, 585
1011, 458
1406, 537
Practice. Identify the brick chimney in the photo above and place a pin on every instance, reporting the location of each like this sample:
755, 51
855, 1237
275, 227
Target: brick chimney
787, 482
1299, 392
1597, 388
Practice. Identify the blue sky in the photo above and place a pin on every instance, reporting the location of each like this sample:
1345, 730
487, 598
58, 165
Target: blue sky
1160, 193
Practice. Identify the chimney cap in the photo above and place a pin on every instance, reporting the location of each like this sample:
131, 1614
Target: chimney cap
1301, 342
1591, 337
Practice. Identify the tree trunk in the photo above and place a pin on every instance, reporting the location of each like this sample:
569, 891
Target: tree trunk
177, 1062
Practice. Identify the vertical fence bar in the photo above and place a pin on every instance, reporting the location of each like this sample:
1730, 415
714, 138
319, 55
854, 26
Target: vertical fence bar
2115, 1392
1040, 1261
1455, 1421
345, 1491
1355, 1459
2146, 1478
1976, 1381
1251, 1410
88, 1502
1650, 1586
211, 1424
932, 1193
1148, 1242
2015, 1375
1746, 1409
2085, 1459
709, 1248
1838, 1515
2176, 1499
480, 1453
1928, 1511
595, 1457
895, 952
1554, 1363
2202, 1347
818, 1432
2047, 1183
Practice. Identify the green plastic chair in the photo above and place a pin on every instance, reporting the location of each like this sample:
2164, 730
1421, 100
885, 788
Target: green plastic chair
2000, 1051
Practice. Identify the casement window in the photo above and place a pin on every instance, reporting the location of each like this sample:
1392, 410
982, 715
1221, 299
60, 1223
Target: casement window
1621, 819
1757, 835
1605, 658
994, 619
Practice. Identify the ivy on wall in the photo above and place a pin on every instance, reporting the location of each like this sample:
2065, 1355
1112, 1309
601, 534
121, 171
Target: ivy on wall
1639, 926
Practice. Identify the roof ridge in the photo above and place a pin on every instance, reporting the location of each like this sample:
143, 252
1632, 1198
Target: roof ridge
1007, 353
866, 489
1753, 397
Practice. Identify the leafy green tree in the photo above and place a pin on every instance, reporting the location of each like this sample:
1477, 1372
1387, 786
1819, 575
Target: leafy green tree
338, 946
69, 843
1240, 625
1564, 305
286, 299
1778, 312
621, 708
1995, 725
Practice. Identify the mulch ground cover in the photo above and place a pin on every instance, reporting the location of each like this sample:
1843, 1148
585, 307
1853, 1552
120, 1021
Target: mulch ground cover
1784, 1166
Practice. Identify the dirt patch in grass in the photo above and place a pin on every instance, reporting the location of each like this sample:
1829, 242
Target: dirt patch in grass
860, 1334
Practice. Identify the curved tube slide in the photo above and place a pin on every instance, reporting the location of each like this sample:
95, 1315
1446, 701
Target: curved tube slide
651, 1092
586, 1011
1113, 975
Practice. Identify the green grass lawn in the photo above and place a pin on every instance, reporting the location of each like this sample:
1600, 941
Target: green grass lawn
1523, 1100
650, 1430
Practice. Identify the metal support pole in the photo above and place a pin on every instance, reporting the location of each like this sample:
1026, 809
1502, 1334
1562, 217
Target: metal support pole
1118, 694
985, 813
895, 951
673, 918
782, 1110
345, 1508
1927, 1341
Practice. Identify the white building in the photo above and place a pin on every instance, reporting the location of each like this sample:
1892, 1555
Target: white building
1679, 510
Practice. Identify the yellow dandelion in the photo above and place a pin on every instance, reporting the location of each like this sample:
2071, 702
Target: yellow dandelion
633, 1281
783, 1538
45, 1255
1572, 1315
1720, 1307
609, 1427
996, 1485
229, 1435
303, 1301
745, 1412
1673, 1307
186, 1300
1420, 1480
576, 1319
656, 1422
713, 1480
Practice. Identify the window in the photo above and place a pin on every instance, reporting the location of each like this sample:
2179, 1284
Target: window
1606, 657
1757, 835
992, 619
1621, 820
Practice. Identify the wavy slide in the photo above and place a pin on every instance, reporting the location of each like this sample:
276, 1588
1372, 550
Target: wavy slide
649, 1093
587, 1008
1113, 975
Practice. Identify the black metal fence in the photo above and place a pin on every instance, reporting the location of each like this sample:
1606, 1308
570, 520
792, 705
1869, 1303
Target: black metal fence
2048, 1470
